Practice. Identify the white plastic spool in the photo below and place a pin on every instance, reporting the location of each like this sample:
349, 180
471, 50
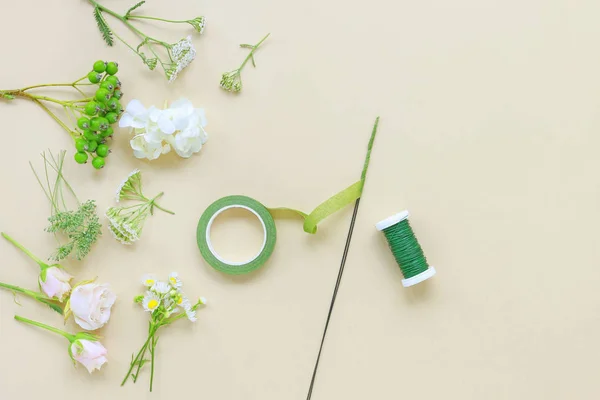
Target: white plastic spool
396, 219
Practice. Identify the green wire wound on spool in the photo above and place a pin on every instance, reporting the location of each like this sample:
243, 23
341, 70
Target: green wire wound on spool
406, 249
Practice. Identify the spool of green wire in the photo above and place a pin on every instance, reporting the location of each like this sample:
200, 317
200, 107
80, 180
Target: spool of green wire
406, 249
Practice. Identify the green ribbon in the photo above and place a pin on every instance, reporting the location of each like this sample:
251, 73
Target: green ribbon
337, 201
323, 210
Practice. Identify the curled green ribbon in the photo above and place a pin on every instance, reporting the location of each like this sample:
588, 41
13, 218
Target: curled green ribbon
337, 201
265, 215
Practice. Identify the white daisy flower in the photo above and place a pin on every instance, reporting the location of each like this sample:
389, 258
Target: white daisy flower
191, 315
148, 280
161, 287
184, 303
174, 280
151, 302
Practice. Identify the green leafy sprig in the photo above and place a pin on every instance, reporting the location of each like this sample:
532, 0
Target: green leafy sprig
232, 81
81, 226
172, 57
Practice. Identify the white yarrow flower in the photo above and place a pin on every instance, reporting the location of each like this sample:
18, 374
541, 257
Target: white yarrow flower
183, 54
126, 184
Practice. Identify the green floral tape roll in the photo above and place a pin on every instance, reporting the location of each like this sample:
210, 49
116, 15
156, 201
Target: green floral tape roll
207, 250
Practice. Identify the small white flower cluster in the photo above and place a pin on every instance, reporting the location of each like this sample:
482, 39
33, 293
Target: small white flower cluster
129, 187
182, 53
165, 299
180, 126
126, 227
199, 23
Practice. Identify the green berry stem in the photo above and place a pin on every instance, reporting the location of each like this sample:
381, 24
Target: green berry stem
58, 120
68, 336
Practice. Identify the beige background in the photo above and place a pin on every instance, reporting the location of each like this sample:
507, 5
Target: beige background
489, 136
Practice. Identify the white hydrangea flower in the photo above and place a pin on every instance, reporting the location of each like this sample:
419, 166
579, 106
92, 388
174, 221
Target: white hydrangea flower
179, 126
151, 302
142, 148
135, 115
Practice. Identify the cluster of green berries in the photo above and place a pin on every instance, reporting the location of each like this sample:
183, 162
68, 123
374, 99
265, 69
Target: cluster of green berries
102, 111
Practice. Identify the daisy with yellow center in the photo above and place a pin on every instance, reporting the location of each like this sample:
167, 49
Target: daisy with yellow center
161, 287
174, 280
151, 302
148, 280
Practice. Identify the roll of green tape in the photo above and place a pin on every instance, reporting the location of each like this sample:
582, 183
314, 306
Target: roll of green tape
207, 250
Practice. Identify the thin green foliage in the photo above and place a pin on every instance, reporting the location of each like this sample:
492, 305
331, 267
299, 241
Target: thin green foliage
81, 226
138, 5
103, 27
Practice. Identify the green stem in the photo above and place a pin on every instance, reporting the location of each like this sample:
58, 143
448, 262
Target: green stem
153, 347
157, 19
153, 204
124, 20
30, 293
47, 327
254, 48
18, 245
140, 356
54, 117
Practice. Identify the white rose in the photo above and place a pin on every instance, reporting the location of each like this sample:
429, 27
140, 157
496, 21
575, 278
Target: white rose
89, 353
56, 283
142, 148
90, 305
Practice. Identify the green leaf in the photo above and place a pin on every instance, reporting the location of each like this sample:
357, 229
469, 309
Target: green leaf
138, 5
103, 27
53, 306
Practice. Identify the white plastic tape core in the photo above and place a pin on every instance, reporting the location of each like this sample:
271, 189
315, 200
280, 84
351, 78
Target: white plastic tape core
393, 220
212, 249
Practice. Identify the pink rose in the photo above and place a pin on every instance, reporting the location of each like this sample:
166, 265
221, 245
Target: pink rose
56, 283
90, 354
91, 304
